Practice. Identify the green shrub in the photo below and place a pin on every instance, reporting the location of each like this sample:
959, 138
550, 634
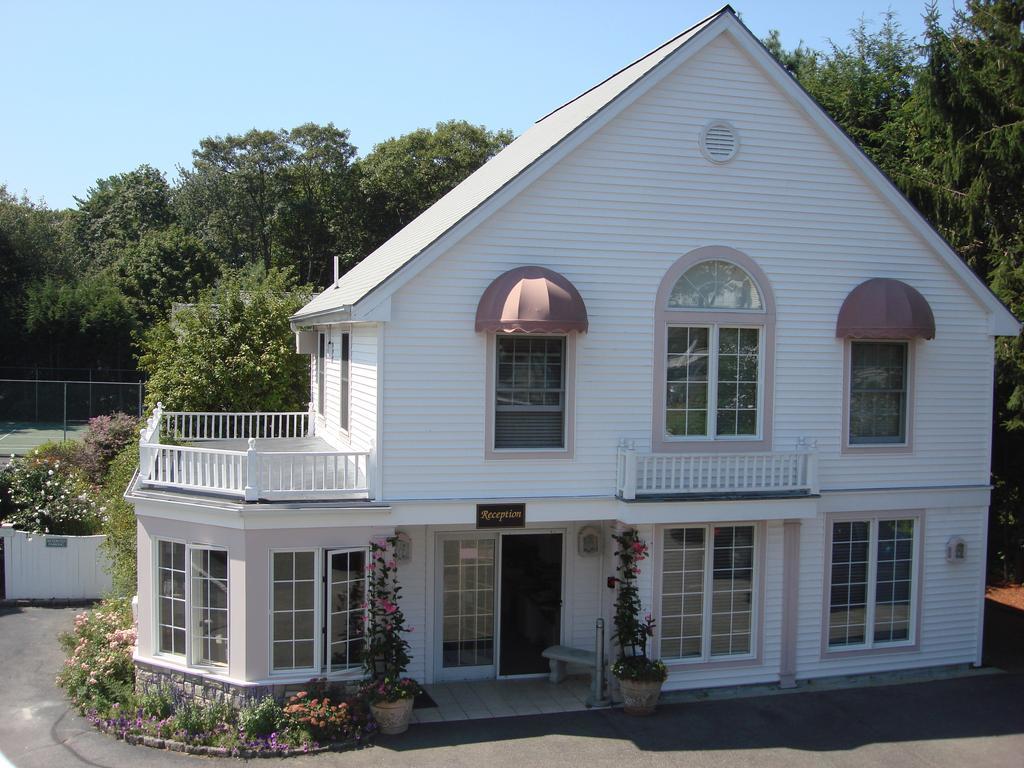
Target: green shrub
119, 523
200, 720
158, 702
46, 495
99, 671
260, 718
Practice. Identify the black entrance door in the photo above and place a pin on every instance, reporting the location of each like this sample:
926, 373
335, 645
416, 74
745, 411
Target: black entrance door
531, 601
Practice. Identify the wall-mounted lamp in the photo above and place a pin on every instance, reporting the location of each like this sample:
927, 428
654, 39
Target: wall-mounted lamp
403, 548
956, 550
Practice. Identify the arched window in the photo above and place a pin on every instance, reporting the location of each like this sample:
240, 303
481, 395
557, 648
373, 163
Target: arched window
715, 337
715, 284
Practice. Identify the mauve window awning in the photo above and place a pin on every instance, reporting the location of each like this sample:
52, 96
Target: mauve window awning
883, 308
531, 300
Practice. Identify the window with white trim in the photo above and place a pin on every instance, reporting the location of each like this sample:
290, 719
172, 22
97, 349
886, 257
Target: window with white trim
321, 355
878, 392
346, 378
713, 370
171, 597
346, 598
707, 592
872, 582
209, 605
529, 392
293, 610
318, 595
192, 602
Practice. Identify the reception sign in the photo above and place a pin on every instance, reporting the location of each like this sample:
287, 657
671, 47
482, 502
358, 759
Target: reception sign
500, 515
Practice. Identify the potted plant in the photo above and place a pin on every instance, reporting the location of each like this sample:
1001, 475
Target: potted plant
640, 678
386, 653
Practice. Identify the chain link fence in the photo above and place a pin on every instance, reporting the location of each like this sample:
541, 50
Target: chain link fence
34, 411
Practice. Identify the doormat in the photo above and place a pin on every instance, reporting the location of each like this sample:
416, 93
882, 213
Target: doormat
423, 700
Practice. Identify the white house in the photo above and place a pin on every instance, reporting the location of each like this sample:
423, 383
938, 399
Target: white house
683, 302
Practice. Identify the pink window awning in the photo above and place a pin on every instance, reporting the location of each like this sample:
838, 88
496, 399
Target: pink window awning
883, 308
531, 300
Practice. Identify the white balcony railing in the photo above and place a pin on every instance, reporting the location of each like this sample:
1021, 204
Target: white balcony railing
262, 471
673, 474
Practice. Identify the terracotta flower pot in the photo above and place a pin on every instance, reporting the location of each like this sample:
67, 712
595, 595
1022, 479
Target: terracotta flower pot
640, 697
392, 716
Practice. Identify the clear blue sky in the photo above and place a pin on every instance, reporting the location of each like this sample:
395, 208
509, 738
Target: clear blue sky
96, 88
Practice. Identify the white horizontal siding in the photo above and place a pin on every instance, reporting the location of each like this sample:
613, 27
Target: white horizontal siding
613, 217
362, 432
950, 594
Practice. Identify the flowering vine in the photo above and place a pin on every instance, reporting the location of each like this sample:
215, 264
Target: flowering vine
631, 631
386, 653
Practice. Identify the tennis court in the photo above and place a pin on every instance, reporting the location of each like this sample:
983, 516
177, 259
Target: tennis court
21, 437
36, 411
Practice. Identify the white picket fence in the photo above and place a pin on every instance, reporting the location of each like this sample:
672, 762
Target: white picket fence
667, 474
250, 474
44, 567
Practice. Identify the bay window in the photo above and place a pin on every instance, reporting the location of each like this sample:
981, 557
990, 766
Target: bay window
872, 582
708, 604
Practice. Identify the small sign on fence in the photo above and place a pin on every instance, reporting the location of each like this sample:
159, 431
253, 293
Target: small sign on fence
60, 543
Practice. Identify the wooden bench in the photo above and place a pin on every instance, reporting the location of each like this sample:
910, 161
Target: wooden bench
560, 656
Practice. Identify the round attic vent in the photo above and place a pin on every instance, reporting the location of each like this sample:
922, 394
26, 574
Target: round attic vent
718, 142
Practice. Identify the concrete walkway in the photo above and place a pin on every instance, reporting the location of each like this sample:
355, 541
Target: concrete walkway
973, 721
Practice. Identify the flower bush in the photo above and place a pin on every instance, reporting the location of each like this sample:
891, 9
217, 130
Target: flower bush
45, 495
389, 690
324, 719
99, 677
99, 671
104, 439
386, 654
631, 631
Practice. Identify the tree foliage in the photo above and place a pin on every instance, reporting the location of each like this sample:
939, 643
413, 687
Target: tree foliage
945, 119
403, 177
233, 350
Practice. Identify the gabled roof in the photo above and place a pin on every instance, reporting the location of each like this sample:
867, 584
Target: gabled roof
552, 135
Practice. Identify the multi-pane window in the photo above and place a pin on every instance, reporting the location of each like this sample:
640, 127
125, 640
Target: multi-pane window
293, 609
346, 378
871, 582
712, 382
209, 606
346, 600
529, 393
878, 392
468, 604
707, 592
171, 597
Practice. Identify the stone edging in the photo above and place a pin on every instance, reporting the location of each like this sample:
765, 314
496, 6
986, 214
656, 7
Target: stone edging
171, 745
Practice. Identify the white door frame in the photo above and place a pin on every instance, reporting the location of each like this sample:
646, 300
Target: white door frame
489, 672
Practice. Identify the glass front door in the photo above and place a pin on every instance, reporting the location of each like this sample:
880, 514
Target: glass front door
467, 607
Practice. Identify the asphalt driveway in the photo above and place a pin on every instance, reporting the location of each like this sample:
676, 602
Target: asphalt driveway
976, 720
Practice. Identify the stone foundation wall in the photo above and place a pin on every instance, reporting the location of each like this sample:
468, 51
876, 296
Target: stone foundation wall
151, 678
